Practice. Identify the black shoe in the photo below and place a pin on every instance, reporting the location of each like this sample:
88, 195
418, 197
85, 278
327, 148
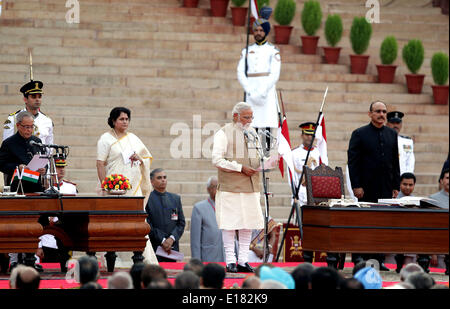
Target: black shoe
383, 267
39, 268
231, 268
245, 269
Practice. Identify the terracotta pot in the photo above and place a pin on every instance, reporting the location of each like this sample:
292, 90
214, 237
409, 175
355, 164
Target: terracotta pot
282, 34
219, 8
358, 64
386, 73
440, 94
414, 82
190, 3
309, 44
332, 54
238, 16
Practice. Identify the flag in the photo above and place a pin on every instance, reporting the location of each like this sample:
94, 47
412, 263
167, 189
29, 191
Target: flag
254, 8
284, 147
30, 175
16, 175
321, 137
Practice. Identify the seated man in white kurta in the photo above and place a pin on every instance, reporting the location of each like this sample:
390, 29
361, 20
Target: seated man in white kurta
238, 193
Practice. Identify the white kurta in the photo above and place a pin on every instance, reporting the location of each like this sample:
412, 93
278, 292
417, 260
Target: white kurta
299, 156
43, 127
234, 211
406, 154
264, 61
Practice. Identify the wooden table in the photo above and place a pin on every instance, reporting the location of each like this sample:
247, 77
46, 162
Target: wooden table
375, 230
113, 223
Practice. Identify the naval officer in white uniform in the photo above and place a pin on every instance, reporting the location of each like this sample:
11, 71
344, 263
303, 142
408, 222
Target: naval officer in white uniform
43, 125
263, 72
405, 143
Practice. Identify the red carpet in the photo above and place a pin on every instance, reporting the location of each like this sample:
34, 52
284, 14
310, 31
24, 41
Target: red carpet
55, 280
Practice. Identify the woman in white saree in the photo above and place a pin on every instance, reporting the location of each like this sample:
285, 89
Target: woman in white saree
122, 152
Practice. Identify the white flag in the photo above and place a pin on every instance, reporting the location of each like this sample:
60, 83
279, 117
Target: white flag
321, 137
254, 8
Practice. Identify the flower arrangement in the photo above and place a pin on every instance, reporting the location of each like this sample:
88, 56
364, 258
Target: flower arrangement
116, 182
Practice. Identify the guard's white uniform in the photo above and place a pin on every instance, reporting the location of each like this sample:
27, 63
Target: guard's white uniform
406, 154
299, 156
264, 64
43, 127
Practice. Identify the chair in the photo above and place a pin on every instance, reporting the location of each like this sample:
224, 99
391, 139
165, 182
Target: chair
324, 183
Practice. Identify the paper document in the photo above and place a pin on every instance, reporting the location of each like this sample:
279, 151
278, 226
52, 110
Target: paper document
37, 162
269, 163
174, 255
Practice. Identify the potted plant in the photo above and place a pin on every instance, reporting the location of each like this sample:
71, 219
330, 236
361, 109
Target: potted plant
388, 54
413, 55
238, 13
190, 3
283, 15
439, 70
360, 34
333, 34
219, 8
311, 19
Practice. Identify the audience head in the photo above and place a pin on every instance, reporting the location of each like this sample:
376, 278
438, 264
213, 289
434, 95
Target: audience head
444, 180
120, 281
408, 270
213, 276
194, 265
258, 269
351, 284
158, 178
159, 284
407, 183
135, 273
28, 279
13, 276
116, 113
277, 274
325, 278
370, 278
271, 284
358, 267
91, 286
420, 280
187, 280
252, 282
152, 272
302, 276
87, 269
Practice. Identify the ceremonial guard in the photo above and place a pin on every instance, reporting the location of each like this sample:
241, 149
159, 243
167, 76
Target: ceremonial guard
405, 143
299, 157
260, 75
65, 186
43, 125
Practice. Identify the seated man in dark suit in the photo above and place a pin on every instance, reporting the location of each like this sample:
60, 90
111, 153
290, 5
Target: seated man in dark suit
165, 215
17, 151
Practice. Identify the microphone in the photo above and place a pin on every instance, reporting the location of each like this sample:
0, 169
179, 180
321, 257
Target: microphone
34, 143
247, 133
268, 134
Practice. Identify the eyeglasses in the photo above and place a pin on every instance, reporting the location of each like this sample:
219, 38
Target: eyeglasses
27, 127
247, 117
379, 111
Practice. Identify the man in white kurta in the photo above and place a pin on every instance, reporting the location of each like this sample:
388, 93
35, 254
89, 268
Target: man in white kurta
238, 193
405, 143
263, 72
43, 125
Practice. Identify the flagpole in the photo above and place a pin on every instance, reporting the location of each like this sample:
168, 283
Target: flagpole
295, 191
31, 65
246, 45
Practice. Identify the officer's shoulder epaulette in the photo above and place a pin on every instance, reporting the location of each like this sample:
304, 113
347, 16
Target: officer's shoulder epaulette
69, 182
12, 114
404, 136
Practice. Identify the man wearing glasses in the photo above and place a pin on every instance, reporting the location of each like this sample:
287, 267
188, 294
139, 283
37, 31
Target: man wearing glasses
43, 125
373, 161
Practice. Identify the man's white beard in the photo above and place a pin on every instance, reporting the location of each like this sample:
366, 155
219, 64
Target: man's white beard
243, 127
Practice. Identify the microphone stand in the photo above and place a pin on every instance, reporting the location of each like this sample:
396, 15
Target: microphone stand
266, 196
